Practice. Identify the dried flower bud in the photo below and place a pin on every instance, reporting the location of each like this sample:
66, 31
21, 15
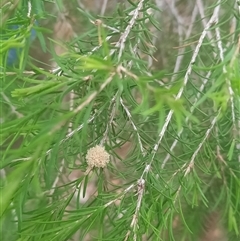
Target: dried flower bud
98, 22
97, 157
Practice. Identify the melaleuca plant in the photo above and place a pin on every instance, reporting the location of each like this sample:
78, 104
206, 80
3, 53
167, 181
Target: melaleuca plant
120, 120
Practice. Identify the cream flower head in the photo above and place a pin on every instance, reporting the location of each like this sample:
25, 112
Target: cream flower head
97, 157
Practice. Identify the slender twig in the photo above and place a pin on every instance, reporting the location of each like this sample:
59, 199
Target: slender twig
81, 5
169, 116
58, 70
134, 126
189, 166
94, 94
97, 22
193, 18
104, 6
237, 126
68, 136
114, 30
121, 42
29, 72
203, 17
121, 196
220, 158
134, 222
230, 89
191, 163
134, 52
185, 81
181, 51
205, 81
29, 9
129, 188
238, 5
141, 181
54, 185
180, 20
161, 5
13, 108
219, 44
180, 55
112, 115
81, 106
70, 131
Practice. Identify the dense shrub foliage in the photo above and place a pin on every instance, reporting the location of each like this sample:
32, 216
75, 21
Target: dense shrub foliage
120, 120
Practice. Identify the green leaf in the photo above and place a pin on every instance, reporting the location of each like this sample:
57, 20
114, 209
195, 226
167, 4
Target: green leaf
95, 63
231, 150
47, 87
12, 184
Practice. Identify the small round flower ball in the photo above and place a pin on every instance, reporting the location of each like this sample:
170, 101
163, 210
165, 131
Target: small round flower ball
97, 157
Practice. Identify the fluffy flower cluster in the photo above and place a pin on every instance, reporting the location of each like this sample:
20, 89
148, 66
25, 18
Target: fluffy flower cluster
97, 157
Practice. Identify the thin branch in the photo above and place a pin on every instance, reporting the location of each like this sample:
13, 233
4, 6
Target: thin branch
180, 20
104, 6
13, 108
134, 222
230, 89
58, 70
180, 55
238, 5
121, 196
81, 5
112, 115
134, 52
181, 51
169, 116
28, 72
205, 81
54, 185
121, 42
134, 127
193, 18
185, 81
94, 94
203, 17
69, 135
29, 9
129, 188
191, 164
98, 22
220, 158
237, 130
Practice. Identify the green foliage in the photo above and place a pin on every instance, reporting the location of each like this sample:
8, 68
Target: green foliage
156, 84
